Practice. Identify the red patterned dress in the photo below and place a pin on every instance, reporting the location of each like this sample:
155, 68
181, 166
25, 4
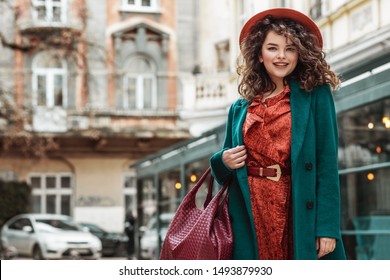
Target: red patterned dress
267, 138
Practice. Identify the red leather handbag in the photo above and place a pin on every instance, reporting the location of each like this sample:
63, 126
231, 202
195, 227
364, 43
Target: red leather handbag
200, 234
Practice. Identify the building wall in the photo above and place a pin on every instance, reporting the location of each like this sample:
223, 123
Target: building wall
97, 20
187, 35
100, 189
28, 165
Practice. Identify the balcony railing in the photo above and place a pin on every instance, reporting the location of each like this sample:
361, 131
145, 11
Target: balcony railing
59, 120
211, 90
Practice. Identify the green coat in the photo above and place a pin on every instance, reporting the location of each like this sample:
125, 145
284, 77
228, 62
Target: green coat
315, 179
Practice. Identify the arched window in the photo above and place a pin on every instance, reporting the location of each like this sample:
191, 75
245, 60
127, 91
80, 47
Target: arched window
140, 85
49, 81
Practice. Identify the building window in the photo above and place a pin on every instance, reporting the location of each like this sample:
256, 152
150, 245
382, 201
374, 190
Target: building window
280, 3
364, 135
223, 51
51, 193
49, 80
148, 196
130, 193
8, 175
140, 85
364, 160
140, 5
318, 8
50, 11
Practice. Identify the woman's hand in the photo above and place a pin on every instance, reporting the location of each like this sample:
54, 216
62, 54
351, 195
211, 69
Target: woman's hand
325, 245
235, 157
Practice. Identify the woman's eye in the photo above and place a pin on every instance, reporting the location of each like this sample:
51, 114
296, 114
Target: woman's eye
291, 49
272, 48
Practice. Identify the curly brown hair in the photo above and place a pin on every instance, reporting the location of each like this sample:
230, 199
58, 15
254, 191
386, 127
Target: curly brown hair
312, 69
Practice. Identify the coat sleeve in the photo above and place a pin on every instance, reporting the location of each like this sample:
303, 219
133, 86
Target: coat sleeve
218, 168
328, 185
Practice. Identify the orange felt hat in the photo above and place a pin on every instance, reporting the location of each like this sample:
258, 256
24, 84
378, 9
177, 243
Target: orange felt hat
283, 13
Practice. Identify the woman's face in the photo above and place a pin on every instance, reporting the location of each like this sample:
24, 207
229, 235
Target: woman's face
279, 55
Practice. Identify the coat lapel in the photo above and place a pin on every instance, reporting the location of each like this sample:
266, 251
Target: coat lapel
239, 118
300, 110
241, 173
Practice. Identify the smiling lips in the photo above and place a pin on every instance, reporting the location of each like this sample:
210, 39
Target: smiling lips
280, 64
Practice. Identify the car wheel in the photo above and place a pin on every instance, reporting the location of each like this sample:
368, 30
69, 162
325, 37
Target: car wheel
37, 253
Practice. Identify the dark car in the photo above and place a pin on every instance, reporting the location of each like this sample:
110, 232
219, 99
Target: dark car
113, 244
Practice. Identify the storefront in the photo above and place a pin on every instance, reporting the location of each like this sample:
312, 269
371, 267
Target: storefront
364, 163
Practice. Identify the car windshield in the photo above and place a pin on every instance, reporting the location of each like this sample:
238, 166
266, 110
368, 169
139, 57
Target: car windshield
58, 224
92, 228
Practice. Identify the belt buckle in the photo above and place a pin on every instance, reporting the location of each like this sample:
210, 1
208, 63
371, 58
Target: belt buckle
278, 172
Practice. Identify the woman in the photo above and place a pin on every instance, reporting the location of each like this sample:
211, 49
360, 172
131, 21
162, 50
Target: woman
281, 143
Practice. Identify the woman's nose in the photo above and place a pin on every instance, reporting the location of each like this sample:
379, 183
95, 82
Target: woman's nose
281, 54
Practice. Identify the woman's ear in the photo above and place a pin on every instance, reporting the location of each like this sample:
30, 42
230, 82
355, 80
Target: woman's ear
261, 59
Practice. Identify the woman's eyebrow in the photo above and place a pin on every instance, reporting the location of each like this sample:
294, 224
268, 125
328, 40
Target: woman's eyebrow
274, 44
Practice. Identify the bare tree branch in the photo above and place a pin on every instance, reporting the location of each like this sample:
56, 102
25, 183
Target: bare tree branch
14, 46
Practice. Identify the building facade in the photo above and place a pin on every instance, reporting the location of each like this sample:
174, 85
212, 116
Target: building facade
356, 42
87, 87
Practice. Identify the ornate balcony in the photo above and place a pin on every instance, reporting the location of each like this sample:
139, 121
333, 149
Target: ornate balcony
212, 90
46, 17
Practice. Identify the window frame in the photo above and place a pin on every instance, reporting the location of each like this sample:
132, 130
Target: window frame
50, 74
140, 79
44, 192
130, 191
137, 6
319, 8
49, 4
140, 92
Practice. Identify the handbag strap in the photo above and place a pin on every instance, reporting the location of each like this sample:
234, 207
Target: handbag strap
201, 180
210, 189
209, 195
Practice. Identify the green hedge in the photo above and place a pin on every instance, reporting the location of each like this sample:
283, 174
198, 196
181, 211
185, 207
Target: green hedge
14, 199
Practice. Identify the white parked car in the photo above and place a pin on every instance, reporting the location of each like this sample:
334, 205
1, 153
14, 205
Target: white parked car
49, 236
149, 238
